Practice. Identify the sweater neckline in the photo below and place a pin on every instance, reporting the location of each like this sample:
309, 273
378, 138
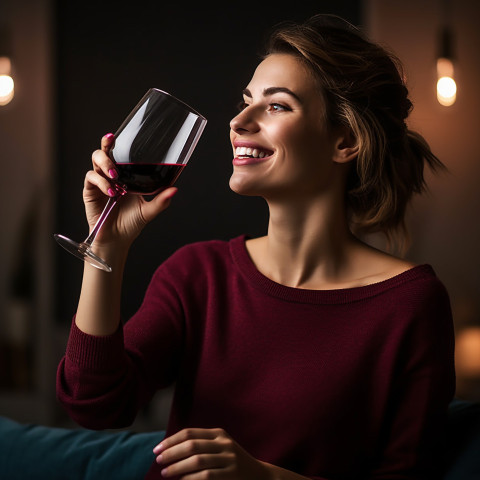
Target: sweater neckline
247, 269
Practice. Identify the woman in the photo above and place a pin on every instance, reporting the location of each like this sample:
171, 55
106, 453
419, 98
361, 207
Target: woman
305, 353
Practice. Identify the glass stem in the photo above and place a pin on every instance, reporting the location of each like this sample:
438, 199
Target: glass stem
112, 201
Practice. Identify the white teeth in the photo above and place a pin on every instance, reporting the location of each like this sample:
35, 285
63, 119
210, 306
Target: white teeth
251, 152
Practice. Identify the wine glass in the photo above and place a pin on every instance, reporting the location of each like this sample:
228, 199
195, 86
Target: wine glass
151, 148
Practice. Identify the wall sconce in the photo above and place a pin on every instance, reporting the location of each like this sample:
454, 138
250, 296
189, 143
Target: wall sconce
7, 85
446, 85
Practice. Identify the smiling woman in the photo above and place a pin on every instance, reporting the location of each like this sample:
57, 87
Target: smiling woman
364, 91
305, 353
282, 115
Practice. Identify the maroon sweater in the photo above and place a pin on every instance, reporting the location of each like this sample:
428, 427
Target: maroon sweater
332, 384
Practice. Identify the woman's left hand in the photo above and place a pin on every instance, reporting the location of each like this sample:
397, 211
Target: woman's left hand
199, 453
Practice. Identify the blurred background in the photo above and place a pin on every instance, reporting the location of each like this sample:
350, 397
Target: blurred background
78, 69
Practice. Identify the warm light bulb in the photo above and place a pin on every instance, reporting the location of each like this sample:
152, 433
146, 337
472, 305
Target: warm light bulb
7, 86
446, 91
446, 85
6, 89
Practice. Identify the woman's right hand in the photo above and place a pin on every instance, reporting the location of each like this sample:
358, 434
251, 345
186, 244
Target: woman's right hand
130, 215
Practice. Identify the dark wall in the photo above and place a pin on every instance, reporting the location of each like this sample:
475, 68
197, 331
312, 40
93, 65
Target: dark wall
108, 56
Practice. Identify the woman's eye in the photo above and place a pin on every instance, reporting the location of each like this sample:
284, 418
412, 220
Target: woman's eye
277, 107
242, 106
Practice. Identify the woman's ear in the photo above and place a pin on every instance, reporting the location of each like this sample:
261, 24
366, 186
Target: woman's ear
345, 147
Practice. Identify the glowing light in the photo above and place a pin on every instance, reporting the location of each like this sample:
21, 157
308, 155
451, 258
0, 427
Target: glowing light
446, 91
446, 85
7, 86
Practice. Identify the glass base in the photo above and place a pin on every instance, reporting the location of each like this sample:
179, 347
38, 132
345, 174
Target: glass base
83, 252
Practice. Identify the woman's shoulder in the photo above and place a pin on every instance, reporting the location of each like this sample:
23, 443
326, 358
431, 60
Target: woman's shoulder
377, 266
369, 264
195, 263
200, 254
206, 247
410, 280
376, 271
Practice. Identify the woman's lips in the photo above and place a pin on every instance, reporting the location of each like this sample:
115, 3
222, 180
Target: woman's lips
248, 161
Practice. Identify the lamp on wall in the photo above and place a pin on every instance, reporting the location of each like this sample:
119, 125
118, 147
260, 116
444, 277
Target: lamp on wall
446, 84
7, 85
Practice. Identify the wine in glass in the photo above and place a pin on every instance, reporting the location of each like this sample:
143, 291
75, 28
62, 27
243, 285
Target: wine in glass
151, 148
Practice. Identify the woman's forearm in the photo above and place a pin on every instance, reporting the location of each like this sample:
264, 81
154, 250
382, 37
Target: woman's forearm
99, 305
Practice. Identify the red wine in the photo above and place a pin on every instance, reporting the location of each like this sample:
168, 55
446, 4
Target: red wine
147, 178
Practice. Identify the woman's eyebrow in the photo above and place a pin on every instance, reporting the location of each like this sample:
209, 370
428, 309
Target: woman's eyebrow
272, 90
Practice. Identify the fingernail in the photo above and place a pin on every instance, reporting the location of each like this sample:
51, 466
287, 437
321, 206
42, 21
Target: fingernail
172, 193
159, 459
113, 173
109, 135
111, 192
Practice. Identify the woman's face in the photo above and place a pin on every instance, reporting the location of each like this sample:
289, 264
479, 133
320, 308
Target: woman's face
280, 140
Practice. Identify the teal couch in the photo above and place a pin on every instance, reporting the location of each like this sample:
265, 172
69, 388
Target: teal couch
38, 452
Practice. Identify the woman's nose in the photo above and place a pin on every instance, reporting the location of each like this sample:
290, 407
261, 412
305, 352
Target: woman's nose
244, 122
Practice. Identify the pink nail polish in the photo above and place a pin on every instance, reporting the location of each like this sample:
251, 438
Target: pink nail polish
113, 173
109, 135
111, 192
173, 193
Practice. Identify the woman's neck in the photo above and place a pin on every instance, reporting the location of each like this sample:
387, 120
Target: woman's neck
307, 246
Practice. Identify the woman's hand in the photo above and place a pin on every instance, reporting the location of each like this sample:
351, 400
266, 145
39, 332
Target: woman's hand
132, 213
198, 453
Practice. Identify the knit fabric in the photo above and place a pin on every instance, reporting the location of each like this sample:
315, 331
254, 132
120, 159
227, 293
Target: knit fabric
332, 384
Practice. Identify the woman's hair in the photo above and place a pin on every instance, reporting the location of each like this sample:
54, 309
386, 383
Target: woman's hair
364, 90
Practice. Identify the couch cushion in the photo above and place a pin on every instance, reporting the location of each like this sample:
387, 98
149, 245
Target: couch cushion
463, 441
33, 451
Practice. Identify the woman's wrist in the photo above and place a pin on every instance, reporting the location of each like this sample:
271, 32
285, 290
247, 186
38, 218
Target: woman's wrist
114, 253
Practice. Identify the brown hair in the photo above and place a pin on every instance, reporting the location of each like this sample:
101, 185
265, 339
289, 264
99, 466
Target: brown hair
364, 89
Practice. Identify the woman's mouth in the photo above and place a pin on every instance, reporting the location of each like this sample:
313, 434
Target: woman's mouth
249, 155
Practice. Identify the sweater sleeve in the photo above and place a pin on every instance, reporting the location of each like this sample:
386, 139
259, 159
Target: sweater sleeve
102, 382
414, 432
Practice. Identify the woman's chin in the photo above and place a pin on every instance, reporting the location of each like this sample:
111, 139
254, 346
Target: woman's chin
242, 187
